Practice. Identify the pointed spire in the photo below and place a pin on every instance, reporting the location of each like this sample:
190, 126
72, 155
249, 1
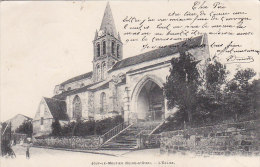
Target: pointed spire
108, 24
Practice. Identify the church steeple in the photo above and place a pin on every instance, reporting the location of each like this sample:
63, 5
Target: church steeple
108, 24
108, 48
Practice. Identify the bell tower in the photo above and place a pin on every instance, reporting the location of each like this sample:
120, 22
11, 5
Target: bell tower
107, 46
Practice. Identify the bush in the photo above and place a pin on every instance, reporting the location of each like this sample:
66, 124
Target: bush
56, 128
91, 127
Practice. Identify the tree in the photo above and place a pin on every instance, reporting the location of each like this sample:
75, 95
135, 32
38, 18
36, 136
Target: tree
241, 94
182, 85
216, 74
56, 128
210, 99
25, 128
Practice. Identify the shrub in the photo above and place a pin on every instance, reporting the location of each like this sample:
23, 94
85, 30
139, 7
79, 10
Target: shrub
90, 127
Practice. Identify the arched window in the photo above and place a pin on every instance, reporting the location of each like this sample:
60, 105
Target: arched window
102, 102
98, 50
98, 72
113, 47
118, 51
77, 107
103, 70
104, 47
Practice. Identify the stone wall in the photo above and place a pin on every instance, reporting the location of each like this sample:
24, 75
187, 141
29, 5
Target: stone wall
227, 139
84, 104
45, 129
87, 143
97, 101
91, 105
120, 99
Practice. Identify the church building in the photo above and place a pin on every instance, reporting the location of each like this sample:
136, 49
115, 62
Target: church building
130, 87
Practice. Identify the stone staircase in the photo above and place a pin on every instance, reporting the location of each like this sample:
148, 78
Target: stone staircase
128, 138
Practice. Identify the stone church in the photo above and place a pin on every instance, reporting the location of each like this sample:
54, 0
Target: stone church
130, 87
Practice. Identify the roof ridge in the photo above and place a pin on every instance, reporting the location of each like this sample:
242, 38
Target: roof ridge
54, 99
161, 48
24, 116
115, 67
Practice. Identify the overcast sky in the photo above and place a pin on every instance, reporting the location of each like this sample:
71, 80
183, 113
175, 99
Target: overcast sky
45, 43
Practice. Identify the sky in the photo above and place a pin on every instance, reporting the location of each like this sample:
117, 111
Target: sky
45, 43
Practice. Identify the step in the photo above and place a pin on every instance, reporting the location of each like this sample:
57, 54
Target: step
119, 146
127, 140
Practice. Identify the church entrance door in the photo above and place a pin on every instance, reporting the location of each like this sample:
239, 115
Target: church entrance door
150, 102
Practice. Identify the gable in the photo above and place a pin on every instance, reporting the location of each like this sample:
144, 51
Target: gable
46, 115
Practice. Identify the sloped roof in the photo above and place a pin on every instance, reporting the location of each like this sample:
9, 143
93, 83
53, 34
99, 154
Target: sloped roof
14, 117
29, 118
57, 108
18, 120
92, 87
77, 78
159, 53
63, 95
101, 86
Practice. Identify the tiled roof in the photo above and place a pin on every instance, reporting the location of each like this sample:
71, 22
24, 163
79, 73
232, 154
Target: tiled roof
158, 53
100, 87
57, 108
77, 78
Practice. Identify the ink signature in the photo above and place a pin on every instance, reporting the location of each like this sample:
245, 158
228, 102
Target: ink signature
235, 59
